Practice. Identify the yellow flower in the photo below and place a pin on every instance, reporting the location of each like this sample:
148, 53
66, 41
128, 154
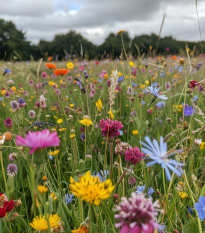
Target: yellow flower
120, 32
51, 83
120, 74
180, 106
102, 142
54, 153
147, 82
59, 121
86, 122
181, 183
134, 132
131, 63
183, 195
179, 110
13, 88
142, 86
126, 76
60, 81
3, 92
41, 224
71, 105
202, 146
90, 188
42, 188
150, 47
32, 97
72, 135
99, 105
105, 76
153, 78
63, 129
70, 65
111, 114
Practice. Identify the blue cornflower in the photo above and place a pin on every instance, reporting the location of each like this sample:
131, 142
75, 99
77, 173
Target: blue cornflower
101, 176
142, 102
190, 210
200, 207
155, 84
1, 99
120, 131
50, 157
162, 74
158, 153
154, 91
99, 80
180, 69
120, 79
134, 93
140, 189
176, 67
69, 198
7, 71
134, 84
160, 104
82, 136
145, 91
188, 111
21, 100
195, 98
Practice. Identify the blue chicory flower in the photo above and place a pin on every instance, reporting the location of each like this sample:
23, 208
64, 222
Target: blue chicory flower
195, 98
160, 104
140, 189
158, 153
200, 207
134, 84
69, 198
103, 177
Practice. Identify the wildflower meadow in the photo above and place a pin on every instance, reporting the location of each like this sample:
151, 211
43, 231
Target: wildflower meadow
103, 146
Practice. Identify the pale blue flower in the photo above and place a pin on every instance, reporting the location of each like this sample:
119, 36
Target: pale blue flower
134, 84
155, 91
103, 177
140, 189
158, 153
195, 98
69, 198
200, 207
160, 104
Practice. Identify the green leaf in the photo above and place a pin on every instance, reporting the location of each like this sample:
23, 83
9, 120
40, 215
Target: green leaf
190, 227
202, 191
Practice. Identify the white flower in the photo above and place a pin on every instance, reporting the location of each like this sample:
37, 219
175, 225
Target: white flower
2, 140
197, 141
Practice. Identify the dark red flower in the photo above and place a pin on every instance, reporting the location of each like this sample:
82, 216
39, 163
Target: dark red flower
193, 84
8, 206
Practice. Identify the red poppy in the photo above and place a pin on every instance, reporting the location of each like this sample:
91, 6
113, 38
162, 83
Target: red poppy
8, 206
97, 62
50, 58
50, 65
174, 57
61, 71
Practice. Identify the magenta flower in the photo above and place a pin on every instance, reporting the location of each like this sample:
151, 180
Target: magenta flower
40, 139
114, 127
8, 122
133, 155
137, 214
44, 74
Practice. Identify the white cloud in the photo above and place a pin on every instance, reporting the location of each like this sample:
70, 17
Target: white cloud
42, 19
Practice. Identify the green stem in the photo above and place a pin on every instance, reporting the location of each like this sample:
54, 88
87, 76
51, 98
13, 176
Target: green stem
192, 198
2, 166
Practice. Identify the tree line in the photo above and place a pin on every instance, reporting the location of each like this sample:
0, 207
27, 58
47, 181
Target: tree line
14, 46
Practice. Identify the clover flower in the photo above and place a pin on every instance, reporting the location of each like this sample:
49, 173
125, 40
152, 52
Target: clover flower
133, 155
12, 169
32, 114
137, 214
110, 128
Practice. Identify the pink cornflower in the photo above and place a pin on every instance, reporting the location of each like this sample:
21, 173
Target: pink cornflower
133, 155
143, 70
137, 214
114, 127
37, 140
8, 122
44, 75
31, 82
70, 79
58, 91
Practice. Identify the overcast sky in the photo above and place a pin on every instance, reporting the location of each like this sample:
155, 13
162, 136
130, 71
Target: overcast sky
95, 19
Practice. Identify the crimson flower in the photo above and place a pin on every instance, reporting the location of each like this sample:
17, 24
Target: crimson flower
8, 206
193, 84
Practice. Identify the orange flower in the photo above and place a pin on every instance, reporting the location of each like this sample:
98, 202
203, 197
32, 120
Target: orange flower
44, 178
120, 32
174, 57
81, 229
7, 136
50, 58
75, 82
61, 72
50, 65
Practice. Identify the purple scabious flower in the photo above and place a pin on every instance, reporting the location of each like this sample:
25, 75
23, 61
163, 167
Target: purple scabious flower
44, 74
14, 105
200, 207
32, 114
158, 153
188, 111
137, 214
8, 122
12, 169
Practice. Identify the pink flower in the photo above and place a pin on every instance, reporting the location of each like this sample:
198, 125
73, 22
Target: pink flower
40, 139
44, 74
133, 155
149, 111
137, 214
114, 127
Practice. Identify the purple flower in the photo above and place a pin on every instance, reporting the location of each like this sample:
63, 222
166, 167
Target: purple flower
168, 86
44, 74
137, 214
188, 111
12, 169
8, 122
